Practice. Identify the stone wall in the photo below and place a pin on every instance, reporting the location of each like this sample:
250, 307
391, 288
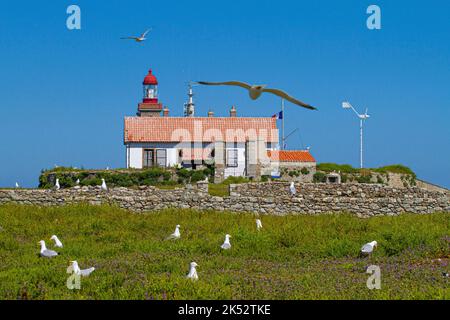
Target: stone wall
266, 198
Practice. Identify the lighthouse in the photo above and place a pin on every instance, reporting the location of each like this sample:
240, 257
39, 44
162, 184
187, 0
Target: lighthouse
150, 107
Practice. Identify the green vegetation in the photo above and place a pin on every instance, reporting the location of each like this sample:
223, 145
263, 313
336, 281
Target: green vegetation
293, 257
395, 168
346, 168
222, 189
348, 173
343, 168
319, 177
161, 177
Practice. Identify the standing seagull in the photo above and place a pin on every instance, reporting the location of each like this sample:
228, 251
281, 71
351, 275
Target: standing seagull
57, 186
84, 272
292, 189
104, 187
226, 244
140, 38
77, 182
17, 185
193, 272
58, 243
176, 234
256, 90
368, 248
258, 224
45, 252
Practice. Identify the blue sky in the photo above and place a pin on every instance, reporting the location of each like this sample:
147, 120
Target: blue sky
64, 93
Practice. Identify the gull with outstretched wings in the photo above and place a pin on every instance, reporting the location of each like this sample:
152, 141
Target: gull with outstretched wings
256, 90
139, 38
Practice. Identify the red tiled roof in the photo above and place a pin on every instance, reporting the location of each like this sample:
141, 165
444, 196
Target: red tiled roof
178, 129
291, 156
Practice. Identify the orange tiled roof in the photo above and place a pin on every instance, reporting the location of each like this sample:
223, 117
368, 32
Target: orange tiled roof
177, 129
291, 156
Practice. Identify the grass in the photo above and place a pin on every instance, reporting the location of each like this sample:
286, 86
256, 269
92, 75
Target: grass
223, 189
293, 257
346, 168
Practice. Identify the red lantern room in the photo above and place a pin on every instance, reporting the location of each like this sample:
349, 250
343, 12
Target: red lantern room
150, 85
150, 106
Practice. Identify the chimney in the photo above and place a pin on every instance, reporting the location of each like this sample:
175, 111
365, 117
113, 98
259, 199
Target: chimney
233, 112
165, 112
210, 114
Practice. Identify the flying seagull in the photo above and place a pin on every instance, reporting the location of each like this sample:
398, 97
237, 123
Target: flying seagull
104, 187
58, 243
226, 244
292, 189
84, 272
193, 271
258, 224
45, 252
57, 186
176, 234
256, 90
369, 247
140, 38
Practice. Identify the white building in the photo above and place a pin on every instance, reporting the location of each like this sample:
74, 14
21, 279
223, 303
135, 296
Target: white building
236, 146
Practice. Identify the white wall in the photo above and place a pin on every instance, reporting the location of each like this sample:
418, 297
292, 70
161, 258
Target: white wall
240, 169
134, 152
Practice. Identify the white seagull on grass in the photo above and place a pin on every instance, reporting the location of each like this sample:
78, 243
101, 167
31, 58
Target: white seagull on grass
368, 248
256, 90
193, 271
258, 224
140, 38
176, 234
226, 244
57, 185
58, 243
84, 272
46, 253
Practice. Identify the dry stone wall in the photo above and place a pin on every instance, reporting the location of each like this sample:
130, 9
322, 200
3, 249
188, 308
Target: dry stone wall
363, 200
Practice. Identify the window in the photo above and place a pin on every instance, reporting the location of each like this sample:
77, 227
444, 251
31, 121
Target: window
154, 157
161, 157
149, 158
232, 158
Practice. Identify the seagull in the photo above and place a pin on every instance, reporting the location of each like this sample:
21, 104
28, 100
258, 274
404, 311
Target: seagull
84, 272
104, 187
17, 185
58, 243
369, 247
256, 90
258, 224
140, 38
292, 189
193, 271
176, 234
77, 182
226, 244
57, 186
45, 252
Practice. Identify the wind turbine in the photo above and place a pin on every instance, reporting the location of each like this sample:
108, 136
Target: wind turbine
362, 117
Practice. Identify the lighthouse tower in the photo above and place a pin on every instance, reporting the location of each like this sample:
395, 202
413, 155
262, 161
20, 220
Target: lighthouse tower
150, 107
